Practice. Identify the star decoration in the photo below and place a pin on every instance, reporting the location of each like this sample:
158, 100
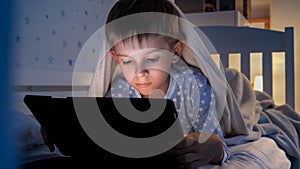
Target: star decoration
70, 62
18, 38
79, 44
53, 32
65, 44
50, 60
62, 13
27, 20
84, 27
96, 16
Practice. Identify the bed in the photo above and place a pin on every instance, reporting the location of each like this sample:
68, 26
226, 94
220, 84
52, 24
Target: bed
279, 148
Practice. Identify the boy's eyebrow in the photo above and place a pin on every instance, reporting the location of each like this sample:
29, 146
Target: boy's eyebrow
121, 55
154, 50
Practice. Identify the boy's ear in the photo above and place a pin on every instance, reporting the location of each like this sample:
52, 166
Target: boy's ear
114, 55
178, 48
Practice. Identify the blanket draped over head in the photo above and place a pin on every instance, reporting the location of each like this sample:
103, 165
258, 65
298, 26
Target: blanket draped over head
238, 109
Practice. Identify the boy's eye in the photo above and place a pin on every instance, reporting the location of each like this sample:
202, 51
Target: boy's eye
126, 62
153, 59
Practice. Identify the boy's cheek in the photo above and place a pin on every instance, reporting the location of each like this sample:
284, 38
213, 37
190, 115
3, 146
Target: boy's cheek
128, 74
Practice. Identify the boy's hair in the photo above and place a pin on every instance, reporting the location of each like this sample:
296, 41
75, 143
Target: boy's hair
148, 18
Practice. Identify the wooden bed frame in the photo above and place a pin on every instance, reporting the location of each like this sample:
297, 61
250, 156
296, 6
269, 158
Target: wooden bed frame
246, 40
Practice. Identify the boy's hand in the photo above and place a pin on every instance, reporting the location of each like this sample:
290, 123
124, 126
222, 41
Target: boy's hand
47, 141
198, 149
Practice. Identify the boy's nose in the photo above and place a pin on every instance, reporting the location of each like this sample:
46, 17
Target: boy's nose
142, 73
141, 69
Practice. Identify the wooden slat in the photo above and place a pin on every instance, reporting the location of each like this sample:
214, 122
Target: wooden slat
289, 66
267, 73
224, 58
245, 64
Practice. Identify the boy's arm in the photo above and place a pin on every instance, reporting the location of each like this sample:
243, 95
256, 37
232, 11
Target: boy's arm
208, 117
205, 144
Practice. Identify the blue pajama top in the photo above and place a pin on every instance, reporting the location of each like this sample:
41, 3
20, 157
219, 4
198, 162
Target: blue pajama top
193, 98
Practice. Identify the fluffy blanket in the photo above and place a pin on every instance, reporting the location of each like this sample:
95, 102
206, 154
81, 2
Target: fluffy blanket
263, 118
282, 124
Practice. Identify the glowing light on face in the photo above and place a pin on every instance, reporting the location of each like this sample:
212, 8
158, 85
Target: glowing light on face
145, 65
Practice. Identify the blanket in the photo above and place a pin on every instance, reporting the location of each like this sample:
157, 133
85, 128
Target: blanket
282, 124
264, 118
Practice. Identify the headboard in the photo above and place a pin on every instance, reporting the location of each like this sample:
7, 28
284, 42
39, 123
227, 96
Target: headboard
247, 40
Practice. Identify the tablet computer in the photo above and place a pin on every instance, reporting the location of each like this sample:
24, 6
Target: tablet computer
70, 123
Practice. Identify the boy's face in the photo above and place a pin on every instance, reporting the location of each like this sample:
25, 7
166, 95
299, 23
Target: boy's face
145, 64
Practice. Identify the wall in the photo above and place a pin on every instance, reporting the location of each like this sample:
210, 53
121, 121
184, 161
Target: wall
49, 34
224, 18
283, 14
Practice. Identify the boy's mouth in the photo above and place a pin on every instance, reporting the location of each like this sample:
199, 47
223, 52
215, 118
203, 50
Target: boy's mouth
143, 85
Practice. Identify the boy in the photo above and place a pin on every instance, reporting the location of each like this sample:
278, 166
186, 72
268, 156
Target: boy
152, 66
